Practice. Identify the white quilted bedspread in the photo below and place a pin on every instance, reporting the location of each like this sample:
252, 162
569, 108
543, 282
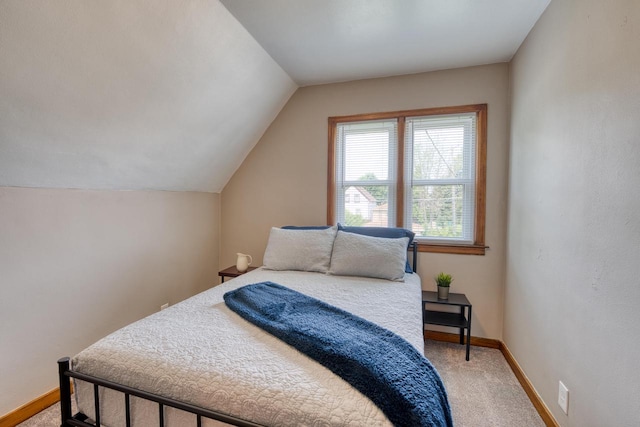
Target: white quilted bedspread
200, 352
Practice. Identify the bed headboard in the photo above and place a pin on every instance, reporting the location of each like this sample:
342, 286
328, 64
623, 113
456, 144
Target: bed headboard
413, 247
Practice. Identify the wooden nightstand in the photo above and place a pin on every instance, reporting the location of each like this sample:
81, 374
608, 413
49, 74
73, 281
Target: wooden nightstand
232, 272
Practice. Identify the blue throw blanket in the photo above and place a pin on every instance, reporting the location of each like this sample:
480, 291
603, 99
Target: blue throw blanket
380, 364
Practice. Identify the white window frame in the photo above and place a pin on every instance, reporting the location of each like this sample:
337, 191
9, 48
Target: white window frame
341, 184
467, 181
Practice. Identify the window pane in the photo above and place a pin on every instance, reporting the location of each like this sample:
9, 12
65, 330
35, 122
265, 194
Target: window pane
438, 211
367, 150
440, 176
438, 152
366, 160
367, 205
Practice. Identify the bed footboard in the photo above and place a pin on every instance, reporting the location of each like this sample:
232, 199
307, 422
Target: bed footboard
80, 420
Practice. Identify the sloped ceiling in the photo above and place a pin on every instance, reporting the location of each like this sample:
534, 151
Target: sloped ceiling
121, 94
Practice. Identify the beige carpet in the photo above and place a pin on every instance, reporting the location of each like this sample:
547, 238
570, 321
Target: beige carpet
483, 391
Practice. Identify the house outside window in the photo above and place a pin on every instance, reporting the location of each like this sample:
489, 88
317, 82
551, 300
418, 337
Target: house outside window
425, 170
359, 206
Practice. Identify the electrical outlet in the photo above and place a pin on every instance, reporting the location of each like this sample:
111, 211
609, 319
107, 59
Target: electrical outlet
163, 306
563, 397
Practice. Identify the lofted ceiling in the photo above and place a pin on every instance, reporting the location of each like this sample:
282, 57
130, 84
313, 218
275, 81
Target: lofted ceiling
173, 94
322, 41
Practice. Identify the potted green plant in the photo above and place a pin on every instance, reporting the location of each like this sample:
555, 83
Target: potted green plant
444, 282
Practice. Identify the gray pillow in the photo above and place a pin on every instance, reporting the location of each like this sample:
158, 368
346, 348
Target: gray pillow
360, 255
302, 250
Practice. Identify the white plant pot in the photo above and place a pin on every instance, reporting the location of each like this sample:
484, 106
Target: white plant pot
443, 292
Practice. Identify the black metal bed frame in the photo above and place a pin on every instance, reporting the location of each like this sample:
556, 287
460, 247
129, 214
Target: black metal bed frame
80, 420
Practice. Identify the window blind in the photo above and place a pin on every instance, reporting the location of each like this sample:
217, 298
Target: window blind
366, 171
439, 176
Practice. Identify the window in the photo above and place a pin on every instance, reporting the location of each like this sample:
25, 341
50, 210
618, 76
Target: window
368, 166
424, 169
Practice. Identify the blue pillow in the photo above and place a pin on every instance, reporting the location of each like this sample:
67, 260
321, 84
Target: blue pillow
306, 227
386, 232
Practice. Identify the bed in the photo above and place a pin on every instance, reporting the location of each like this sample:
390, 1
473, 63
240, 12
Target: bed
199, 363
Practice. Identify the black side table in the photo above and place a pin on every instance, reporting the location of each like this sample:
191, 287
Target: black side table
233, 272
456, 320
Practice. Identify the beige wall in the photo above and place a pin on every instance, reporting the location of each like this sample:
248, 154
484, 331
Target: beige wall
573, 264
284, 179
75, 265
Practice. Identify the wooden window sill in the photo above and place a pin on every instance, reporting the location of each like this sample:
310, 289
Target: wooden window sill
451, 249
